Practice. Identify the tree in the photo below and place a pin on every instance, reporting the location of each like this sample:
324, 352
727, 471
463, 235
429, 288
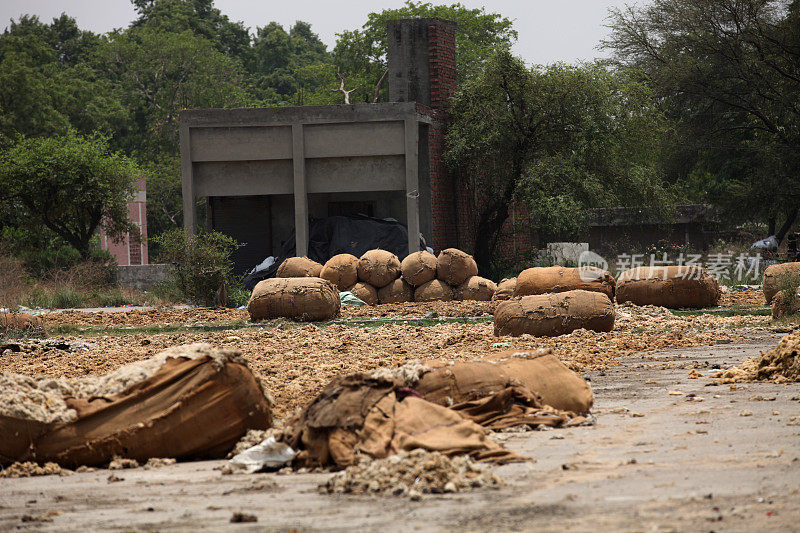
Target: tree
559, 138
361, 54
71, 185
727, 72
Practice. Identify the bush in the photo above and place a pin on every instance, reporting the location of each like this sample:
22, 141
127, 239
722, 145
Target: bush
788, 301
113, 298
202, 268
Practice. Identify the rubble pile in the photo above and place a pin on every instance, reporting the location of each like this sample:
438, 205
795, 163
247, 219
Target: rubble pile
412, 474
779, 365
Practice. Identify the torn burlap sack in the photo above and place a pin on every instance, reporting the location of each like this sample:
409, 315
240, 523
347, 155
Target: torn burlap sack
540, 372
360, 414
192, 407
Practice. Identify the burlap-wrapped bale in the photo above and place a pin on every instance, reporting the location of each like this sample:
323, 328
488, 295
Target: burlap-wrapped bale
435, 290
505, 289
541, 280
296, 298
396, 292
774, 275
454, 267
378, 268
365, 292
540, 371
299, 267
341, 270
668, 286
188, 402
419, 268
475, 288
549, 315
19, 321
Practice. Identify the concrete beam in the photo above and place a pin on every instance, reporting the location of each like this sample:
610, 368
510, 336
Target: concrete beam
412, 183
300, 196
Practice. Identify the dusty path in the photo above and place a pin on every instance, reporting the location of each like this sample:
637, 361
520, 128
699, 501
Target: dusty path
682, 466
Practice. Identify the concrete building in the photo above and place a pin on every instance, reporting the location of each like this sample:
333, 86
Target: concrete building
131, 249
265, 171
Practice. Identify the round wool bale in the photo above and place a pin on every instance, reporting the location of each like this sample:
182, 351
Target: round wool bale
454, 267
541, 280
553, 314
475, 288
435, 290
396, 292
505, 289
365, 292
419, 268
378, 268
299, 267
775, 275
341, 270
296, 298
668, 286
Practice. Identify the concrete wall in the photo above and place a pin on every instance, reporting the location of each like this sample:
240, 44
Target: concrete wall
141, 277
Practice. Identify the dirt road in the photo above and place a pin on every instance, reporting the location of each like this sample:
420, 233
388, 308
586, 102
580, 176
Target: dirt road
721, 460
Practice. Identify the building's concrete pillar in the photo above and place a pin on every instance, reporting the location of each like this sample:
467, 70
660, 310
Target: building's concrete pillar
412, 183
300, 196
187, 183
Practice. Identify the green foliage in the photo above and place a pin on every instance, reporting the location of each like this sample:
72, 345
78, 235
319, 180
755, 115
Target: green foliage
787, 298
727, 72
361, 54
113, 298
69, 184
202, 268
560, 138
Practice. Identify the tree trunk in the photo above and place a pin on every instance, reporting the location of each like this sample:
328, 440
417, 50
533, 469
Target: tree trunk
771, 228
790, 218
490, 224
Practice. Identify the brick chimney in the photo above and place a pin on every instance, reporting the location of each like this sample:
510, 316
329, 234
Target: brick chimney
422, 69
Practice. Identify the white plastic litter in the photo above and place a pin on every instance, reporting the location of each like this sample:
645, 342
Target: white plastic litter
270, 454
265, 264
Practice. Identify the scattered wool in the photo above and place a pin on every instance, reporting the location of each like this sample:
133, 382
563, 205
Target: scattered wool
407, 374
411, 474
780, 365
28, 469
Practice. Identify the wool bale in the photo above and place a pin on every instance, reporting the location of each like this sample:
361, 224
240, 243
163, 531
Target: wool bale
419, 268
454, 267
541, 280
378, 268
435, 290
668, 286
19, 321
295, 298
341, 270
299, 267
475, 288
774, 276
553, 314
365, 292
505, 289
397, 291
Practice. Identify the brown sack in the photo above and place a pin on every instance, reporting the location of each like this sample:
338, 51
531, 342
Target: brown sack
193, 407
19, 321
505, 289
783, 305
475, 288
541, 280
378, 268
454, 267
419, 268
397, 291
299, 267
550, 315
296, 298
341, 270
434, 291
540, 372
365, 292
672, 287
360, 414
774, 275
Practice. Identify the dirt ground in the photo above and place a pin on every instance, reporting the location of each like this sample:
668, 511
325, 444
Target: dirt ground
714, 458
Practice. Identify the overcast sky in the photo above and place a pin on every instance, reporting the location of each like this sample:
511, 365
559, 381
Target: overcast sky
549, 30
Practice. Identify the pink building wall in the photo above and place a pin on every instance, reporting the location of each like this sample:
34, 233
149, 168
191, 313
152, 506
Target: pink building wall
131, 250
